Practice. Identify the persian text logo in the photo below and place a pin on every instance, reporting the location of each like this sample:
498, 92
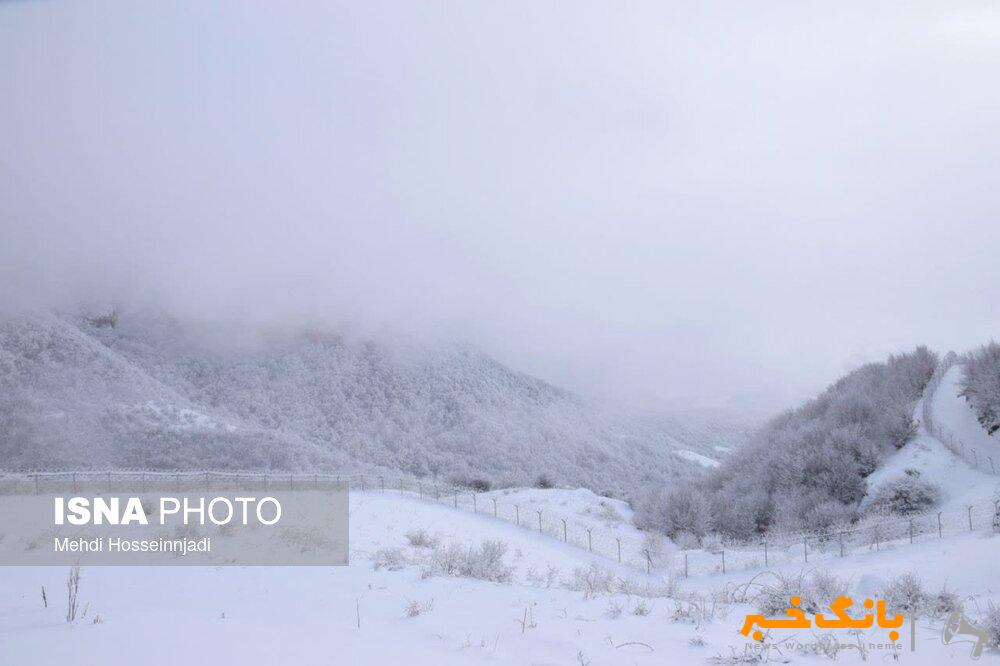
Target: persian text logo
795, 618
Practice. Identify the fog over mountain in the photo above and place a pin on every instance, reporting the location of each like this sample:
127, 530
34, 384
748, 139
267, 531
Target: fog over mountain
147, 390
677, 203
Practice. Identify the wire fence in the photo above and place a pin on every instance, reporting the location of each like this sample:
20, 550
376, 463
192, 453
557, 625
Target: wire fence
627, 547
982, 460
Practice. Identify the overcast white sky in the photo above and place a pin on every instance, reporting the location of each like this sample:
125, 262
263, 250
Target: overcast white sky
662, 200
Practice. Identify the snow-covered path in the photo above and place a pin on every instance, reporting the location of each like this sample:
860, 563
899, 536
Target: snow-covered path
956, 422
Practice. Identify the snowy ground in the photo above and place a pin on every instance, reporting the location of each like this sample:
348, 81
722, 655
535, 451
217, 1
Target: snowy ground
311, 615
543, 615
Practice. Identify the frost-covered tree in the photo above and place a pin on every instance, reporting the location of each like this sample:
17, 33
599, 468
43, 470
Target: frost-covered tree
980, 385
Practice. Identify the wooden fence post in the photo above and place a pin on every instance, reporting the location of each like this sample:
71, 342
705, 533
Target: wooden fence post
911, 530
805, 547
590, 539
565, 538
618, 539
940, 533
685, 564
723, 560
494, 500
539, 521
970, 518
649, 560
517, 514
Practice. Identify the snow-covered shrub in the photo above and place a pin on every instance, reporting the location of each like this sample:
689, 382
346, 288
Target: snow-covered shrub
824, 587
906, 495
641, 608
419, 538
592, 580
392, 559
943, 603
905, 594
538, 579
681, 509
686, 540
990, 621
415, 608
483, 563
816, 591
544, 481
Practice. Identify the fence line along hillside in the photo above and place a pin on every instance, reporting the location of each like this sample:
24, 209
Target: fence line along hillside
872, 534
982, 460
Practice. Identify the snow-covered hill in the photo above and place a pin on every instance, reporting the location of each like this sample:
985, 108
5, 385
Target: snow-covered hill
961, 481
150, 391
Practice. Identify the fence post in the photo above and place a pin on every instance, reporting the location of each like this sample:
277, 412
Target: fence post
649, 560
494, 500
362, 483
940, 532
590, 539
517, 514
565, 539
420, 489
475, 507
618, 539
840, 538
539, 521
455, 499
970, 518
805, 547
685, 564
400, 486
992, 468
911, 530
381, 483
723, 560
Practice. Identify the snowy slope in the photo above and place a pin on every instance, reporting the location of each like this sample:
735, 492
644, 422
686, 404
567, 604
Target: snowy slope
961, 485
955, 417
311, 615
154, 392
